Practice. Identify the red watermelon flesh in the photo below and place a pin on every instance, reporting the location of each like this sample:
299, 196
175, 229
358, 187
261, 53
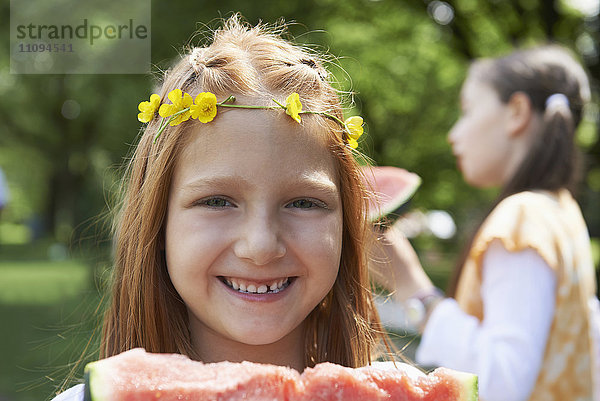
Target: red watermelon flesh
328, 381
136, 375
441, 384
391, 186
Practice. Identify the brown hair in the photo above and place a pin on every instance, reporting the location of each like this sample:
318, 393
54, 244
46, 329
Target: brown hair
146, 310
553, 161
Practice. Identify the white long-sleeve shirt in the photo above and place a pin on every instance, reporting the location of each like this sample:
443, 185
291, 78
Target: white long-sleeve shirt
506, 349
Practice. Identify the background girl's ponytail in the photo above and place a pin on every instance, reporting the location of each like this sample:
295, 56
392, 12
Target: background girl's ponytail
553, 161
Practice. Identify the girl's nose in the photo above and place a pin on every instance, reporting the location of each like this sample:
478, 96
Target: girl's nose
452, 135
259, 240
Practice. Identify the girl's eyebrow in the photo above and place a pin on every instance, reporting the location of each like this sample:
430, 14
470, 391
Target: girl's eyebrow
202, 182
323, 185
315, 182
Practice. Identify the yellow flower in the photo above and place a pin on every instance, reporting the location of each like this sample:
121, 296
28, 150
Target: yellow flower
204, 107
354, 125
181, 101
148, 109
353, 143
293, 106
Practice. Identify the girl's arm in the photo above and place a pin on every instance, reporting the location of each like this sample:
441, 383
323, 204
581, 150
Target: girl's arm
396, 267
506, 349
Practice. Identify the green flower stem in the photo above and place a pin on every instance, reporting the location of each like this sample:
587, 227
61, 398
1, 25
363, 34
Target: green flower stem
166, 122
161, 128
240, 106
279, 104
330, 116
231, 98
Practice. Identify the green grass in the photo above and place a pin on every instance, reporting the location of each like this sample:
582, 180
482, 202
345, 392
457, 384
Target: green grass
14, 234
47, 314
40, 282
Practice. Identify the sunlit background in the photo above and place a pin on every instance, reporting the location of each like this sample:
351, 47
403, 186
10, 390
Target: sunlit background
63, 139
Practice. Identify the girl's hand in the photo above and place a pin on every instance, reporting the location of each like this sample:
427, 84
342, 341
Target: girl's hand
396, 267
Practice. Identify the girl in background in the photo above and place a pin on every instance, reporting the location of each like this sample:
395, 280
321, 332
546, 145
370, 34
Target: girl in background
523, 310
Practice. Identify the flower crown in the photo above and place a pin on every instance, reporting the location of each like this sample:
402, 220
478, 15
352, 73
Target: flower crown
204, 108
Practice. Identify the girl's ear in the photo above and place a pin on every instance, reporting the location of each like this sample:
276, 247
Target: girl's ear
520, 113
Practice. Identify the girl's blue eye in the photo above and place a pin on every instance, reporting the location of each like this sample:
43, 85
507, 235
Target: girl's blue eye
305, 204
215, 202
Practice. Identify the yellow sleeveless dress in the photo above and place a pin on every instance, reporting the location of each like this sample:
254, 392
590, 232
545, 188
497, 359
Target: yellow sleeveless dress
552, 225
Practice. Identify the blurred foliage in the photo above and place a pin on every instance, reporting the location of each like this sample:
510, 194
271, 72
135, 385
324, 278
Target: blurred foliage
404, 61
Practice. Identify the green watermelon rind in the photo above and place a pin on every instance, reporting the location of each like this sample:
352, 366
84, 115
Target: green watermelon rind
470, 386
92, 383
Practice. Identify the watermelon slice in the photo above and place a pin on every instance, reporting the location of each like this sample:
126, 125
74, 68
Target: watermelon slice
136, 375
392, 187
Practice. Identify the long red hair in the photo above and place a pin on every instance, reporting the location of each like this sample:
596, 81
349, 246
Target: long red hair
145, 309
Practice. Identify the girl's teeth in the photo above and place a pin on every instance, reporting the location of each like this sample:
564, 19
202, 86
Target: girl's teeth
276, 286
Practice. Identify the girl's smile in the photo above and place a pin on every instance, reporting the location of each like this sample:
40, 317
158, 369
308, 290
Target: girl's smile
258, 291
270, 286
254, 287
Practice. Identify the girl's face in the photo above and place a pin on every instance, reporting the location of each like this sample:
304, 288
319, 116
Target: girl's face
253, 233
480, 139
